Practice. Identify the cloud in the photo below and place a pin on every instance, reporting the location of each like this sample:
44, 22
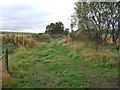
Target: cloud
34, 15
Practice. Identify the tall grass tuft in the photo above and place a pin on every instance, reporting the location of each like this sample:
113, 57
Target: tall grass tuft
13, 41
106, 53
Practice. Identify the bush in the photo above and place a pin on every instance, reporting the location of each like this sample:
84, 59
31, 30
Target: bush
79, 35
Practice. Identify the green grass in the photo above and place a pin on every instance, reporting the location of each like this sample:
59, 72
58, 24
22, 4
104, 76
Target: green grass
18, 33
53, 65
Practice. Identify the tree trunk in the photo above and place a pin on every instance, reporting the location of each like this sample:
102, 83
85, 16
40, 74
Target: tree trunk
113, 39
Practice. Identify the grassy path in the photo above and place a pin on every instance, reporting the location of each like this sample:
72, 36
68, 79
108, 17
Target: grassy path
50, 65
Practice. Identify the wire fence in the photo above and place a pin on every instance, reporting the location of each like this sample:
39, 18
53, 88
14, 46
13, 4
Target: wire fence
4, 60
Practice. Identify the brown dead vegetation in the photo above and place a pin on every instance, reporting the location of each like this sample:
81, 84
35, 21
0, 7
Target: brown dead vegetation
20, 40
93, 51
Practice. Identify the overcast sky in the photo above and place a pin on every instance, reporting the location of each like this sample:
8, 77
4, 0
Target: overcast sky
34, 15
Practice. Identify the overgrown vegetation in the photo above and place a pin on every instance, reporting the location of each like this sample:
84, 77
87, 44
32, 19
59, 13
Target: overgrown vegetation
57, 65
42, 38
86, 59
13, 41
106, 53
98, 19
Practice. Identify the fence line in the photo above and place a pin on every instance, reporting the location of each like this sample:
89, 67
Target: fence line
2, 56
6, 59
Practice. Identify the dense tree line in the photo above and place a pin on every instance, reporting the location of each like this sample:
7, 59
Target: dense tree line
98, 19
56, 28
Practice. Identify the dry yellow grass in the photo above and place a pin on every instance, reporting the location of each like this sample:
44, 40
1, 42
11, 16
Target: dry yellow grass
5, 77
47, 35
88, 50
20, 40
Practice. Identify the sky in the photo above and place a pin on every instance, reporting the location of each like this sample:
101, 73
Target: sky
34, 15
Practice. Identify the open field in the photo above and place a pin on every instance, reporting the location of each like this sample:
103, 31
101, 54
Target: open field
62, 63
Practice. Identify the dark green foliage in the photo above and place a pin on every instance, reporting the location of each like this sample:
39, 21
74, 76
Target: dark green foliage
66, 31
56, 28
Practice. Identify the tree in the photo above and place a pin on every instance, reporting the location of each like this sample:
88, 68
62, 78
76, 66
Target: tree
55, 28
98, 19
66, 31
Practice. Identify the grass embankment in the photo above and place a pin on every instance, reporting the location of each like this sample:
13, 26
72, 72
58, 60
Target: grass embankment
52, 64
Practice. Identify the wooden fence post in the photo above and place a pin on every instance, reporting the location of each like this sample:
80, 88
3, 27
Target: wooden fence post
6, 60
